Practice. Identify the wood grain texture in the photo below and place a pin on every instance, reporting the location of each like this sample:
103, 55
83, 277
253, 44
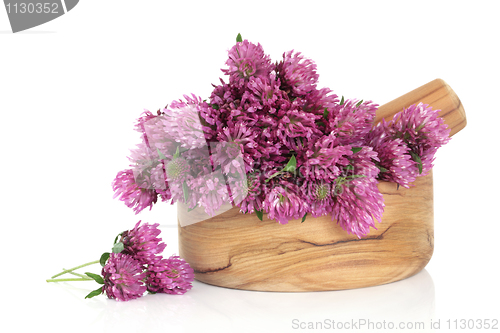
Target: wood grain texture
239, 251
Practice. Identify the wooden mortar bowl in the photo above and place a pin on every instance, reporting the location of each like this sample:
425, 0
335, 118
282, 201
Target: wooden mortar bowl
239, 251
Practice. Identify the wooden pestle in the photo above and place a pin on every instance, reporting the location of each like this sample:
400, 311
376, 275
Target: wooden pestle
438, 95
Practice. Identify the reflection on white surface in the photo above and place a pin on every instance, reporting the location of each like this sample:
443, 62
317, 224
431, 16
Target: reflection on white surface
212, 308
410, 300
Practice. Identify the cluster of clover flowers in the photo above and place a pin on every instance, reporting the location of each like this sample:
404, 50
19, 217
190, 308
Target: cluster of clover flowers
269, 141
135, 266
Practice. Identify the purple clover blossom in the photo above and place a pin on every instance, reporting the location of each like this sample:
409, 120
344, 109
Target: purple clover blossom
145, 117
269, 130
420, 127
142, 243
318, 100
240, 138
358, 203
181, 121
147, 168
297, 124
228, 155
222, 99
406, 145
247, 193
178, 194
165, 195
352, 121
319, 196
235, 146
395, 163
238, 189
249, 102
363, 162
177, 174
128, 191
177, 169
212, 192
170, 276
192, 164
229, 106
268, 91
297, 74
246, 60
283, 203
157, 178
123, 277
324, 158
155, 137
357, 199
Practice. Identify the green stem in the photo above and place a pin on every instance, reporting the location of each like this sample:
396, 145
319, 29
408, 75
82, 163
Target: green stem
77, 274
72, 269
71, 279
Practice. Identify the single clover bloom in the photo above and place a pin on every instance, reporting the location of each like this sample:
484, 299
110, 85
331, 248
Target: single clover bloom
319, 195
324, 158
212, 191
423, 131
352, 120
123, 277
266, 91
177, 169
283, 203
247, 193
134, 196
395, 163
358, 203
181, 122
246, 60
294, 124
147, 168
170, 276
297, 74
142, 243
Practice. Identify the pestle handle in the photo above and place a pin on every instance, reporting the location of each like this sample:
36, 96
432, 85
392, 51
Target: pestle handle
438, 95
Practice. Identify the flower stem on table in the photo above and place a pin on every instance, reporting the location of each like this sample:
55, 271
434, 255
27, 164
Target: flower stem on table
74, 268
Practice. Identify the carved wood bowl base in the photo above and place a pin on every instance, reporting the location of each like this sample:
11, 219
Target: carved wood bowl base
236, 250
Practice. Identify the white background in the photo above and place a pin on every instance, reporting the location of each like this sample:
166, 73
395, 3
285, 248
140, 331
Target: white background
71, 89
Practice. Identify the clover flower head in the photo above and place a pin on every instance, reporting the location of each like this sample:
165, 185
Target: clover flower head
358, 204
170, 276
247, 60
181, 122
395, 163
177, 169
142, 242
128, 191
297, 74
421, 128
283, 203
352, 120
123, 277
